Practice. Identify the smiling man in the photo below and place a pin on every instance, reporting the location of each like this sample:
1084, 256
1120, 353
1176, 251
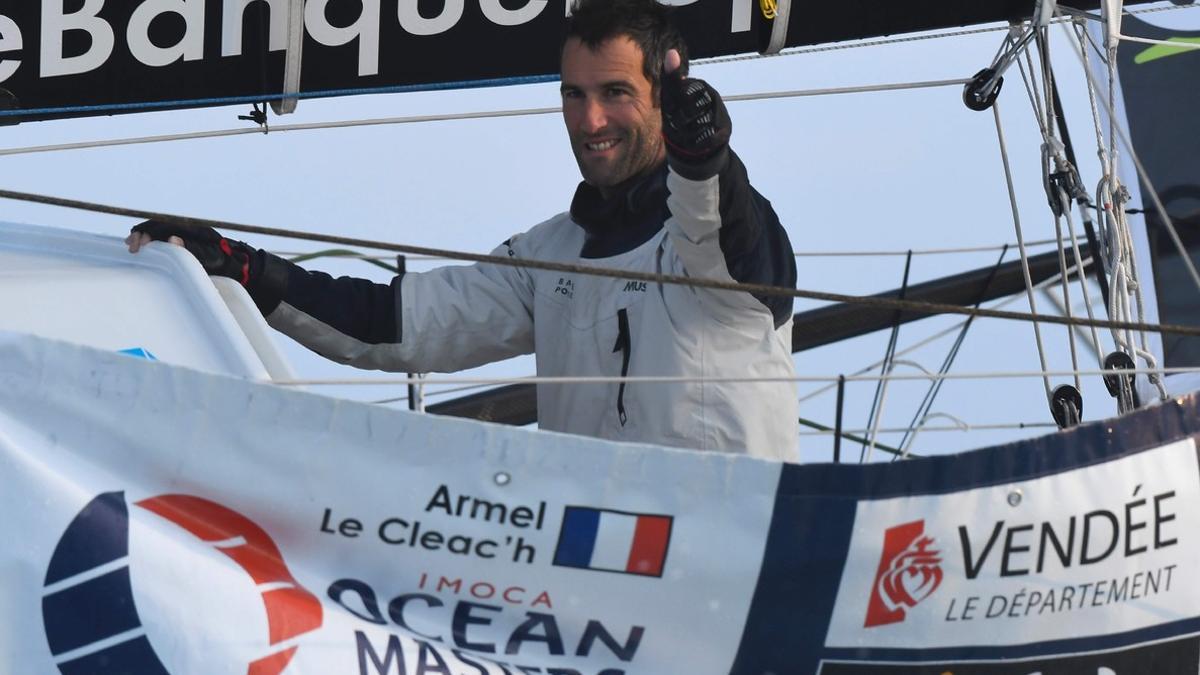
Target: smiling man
662, 193
611, 110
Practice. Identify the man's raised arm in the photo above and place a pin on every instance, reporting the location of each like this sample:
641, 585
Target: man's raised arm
722, 227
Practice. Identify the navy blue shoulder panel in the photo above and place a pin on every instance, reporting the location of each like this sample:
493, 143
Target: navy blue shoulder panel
756, 247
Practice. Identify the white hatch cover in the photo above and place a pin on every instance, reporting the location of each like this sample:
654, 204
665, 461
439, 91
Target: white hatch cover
158, 304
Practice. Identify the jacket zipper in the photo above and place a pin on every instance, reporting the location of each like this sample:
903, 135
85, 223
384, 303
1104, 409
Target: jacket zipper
625, 346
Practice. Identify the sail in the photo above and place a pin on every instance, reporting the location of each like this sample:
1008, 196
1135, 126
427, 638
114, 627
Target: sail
98, 57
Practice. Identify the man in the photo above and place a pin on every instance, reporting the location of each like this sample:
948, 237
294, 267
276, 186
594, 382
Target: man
662, 192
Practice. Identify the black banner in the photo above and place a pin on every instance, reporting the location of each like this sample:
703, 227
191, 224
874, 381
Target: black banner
61, 58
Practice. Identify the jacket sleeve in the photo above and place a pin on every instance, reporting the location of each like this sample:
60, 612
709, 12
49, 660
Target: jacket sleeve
447, 319
724, 229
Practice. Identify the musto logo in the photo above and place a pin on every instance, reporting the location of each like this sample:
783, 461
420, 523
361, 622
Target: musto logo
92, 623
910, 570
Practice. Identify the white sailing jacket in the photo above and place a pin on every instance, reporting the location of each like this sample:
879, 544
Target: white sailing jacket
580, 325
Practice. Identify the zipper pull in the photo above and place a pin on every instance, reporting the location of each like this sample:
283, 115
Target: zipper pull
625, 346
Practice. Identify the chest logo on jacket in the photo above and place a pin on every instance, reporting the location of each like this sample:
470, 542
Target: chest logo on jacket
635, 287
565, 287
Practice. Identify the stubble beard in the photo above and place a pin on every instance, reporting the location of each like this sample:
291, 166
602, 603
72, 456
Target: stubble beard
640, 153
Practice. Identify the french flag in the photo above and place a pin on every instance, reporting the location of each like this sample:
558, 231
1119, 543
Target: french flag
613, 541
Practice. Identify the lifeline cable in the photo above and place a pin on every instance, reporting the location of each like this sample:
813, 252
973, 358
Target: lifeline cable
417, 119
996, 426
298, 256
928, 308
686, 379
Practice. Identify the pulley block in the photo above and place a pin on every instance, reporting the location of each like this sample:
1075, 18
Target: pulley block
1066, 405
980, 93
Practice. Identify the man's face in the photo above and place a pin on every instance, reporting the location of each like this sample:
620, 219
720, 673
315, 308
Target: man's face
612, 118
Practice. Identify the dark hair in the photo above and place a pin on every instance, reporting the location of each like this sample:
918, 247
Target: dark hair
646, 22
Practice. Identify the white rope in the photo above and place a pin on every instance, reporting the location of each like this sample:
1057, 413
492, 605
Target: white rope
1117, 133
416, 119
878, 416
1012, 198
1182, 46
1111, 239
906, 449
653, 379
1110, 198
873, 436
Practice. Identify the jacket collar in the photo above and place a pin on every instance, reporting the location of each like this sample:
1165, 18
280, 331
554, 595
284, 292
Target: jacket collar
633, 213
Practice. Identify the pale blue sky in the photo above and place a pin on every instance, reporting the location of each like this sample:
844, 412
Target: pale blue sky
889, 171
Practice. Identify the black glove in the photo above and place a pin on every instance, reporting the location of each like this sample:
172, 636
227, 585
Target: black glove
217, 255
696, 124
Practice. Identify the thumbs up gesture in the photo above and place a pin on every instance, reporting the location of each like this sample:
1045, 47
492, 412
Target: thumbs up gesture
696, 124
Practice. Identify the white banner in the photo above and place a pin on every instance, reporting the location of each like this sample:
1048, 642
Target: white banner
161, 520
1094, 551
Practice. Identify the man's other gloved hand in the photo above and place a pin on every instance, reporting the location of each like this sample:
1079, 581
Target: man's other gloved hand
217, 255
696, 124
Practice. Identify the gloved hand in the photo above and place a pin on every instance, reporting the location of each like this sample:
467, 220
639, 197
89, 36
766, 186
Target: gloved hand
696, 124
217, 255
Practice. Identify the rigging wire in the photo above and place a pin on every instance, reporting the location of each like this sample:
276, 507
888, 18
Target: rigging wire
417, 119
929, 308
923, 409
671, 379
873, 417
1012, 198
1062, 155
1054, 150
927, 340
